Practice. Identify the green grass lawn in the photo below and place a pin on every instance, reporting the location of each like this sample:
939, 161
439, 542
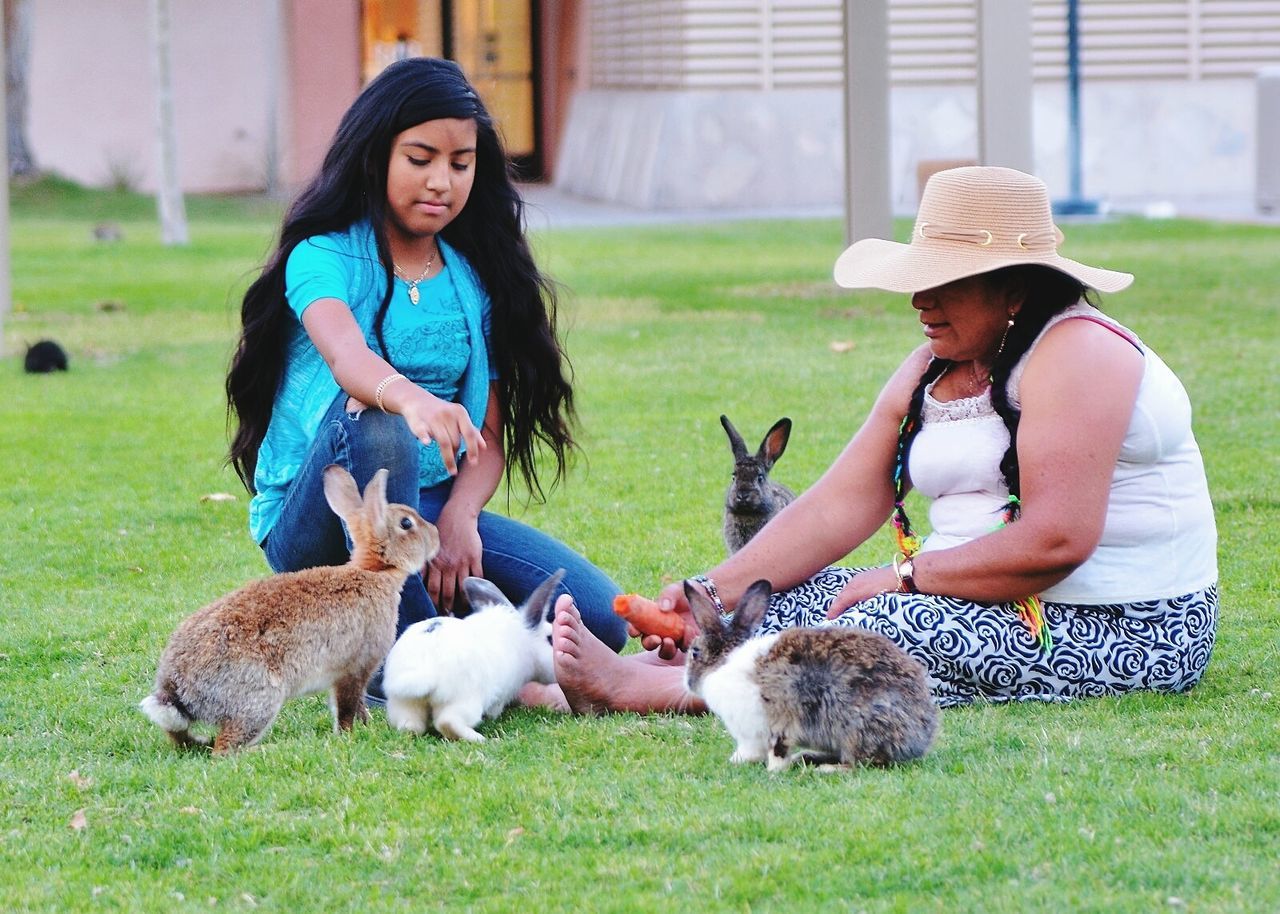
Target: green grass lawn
1145, 803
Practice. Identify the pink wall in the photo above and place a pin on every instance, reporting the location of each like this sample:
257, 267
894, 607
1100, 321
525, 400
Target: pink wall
92, 102
323, 78
92, 98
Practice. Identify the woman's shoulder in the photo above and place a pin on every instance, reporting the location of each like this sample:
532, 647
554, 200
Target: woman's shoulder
1087, 321
1079, 338
912, 368
1083, 330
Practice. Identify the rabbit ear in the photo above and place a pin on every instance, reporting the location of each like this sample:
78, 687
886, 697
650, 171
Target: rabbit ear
341, 493
375, 500
735, 440
751, 608
482, 594
775, 442
539, 602
704, 611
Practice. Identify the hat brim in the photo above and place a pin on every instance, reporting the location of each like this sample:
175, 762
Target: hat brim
874, 263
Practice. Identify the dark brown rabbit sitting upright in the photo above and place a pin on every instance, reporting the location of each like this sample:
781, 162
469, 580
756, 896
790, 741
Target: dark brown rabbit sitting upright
235, 662
753, 498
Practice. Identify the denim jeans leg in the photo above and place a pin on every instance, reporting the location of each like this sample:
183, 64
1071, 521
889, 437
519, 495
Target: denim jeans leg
309, 534
517, 558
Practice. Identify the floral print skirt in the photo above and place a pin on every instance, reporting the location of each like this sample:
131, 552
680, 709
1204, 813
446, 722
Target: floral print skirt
979, 651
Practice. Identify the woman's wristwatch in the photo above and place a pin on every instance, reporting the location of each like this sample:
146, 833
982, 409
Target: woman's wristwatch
905, 570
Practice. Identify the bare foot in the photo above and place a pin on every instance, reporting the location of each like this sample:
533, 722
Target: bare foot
537, 695
595, 679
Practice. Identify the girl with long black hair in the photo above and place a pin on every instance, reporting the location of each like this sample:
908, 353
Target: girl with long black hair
401, 322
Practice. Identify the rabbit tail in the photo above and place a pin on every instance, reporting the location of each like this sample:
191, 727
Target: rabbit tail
167, 713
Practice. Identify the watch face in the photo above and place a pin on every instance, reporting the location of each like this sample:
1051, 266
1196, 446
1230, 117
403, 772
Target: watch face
908, 575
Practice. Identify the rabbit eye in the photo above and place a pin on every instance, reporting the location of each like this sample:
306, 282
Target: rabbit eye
759, 477
695, 652
406, 523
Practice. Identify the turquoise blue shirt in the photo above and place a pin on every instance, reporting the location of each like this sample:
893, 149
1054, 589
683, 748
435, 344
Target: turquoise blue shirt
441, 344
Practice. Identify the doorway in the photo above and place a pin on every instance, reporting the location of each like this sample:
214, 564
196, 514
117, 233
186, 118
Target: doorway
495, 43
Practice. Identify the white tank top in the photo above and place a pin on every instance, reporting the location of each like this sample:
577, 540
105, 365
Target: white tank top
1159, 538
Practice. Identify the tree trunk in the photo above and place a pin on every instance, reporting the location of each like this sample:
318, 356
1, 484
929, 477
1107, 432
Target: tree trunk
17, 39
172, 209
6, 286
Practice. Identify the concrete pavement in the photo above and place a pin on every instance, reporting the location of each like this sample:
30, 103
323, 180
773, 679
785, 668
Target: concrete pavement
547, 207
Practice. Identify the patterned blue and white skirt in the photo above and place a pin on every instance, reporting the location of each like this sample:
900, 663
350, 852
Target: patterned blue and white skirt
984, 651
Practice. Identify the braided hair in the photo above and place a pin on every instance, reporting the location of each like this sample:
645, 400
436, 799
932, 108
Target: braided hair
1044, 292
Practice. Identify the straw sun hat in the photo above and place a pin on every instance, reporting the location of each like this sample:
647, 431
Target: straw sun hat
971, 220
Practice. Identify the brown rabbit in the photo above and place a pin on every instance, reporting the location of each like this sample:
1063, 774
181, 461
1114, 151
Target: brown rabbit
753, 498
235, 662
848, 695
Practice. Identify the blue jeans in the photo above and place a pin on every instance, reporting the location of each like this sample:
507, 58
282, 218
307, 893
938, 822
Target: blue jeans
516, 557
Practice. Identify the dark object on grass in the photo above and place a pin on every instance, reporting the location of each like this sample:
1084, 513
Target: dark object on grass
108, 231
44, 357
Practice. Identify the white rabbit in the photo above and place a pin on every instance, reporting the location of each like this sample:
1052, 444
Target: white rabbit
458, 671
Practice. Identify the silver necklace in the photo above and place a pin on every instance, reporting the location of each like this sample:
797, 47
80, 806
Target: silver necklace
414, 295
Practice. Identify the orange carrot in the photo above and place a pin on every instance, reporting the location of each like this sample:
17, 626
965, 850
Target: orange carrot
647, 618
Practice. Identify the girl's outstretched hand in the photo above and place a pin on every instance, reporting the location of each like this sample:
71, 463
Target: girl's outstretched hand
447, 424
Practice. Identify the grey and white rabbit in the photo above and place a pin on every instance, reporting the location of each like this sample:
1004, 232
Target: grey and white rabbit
753, 498
843, 695
457, 671
235, 662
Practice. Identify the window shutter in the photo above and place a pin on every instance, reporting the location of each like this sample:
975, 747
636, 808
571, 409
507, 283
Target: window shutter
767, 44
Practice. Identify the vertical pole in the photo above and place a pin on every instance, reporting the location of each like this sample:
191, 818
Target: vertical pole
1075, 204
172, 210
6, 284
275, 64
1005, 84
1073, 98
867, 207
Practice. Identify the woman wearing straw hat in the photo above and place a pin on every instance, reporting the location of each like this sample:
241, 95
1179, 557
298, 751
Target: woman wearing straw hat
1073, 547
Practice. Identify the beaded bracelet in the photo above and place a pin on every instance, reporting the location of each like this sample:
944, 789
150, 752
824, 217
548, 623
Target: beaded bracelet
710, 587
383, 384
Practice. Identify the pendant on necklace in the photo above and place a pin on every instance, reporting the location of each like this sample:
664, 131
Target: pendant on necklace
413, 295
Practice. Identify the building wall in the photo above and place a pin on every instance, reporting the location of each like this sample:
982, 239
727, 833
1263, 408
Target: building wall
258, 89
666, 103
92, 101
711, 103
322, 79
767, 44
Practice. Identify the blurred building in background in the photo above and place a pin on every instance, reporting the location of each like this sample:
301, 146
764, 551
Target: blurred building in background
653, 103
